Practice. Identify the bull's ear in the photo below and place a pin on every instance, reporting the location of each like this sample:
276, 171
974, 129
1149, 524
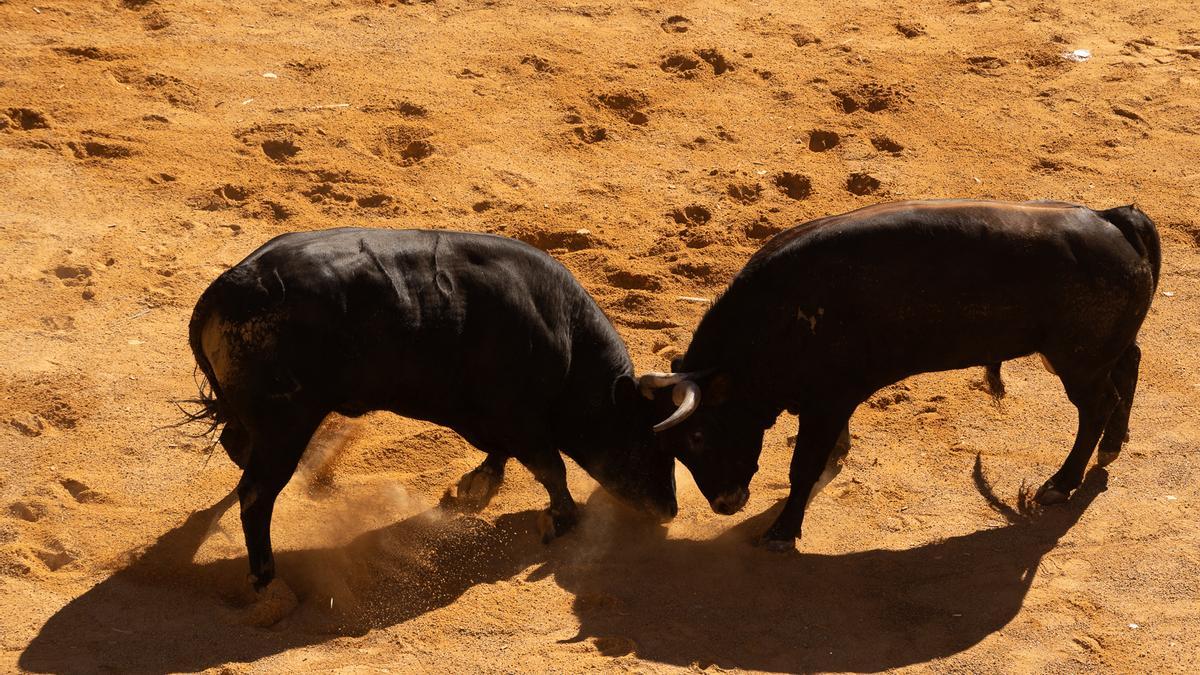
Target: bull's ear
677, 364
625, 392
717, 391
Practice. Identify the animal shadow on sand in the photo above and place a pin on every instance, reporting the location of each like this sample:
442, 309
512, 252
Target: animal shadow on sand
673, 601
724, 602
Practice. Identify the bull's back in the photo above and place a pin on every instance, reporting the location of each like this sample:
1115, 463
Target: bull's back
912, 287
421, 322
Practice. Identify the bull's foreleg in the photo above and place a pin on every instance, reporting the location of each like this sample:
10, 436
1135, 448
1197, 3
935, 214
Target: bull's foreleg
815, 446
477, 487
1095, 398
548, 468
833, 466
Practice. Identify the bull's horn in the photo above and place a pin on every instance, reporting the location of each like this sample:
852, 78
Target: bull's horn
686, 395
650, 381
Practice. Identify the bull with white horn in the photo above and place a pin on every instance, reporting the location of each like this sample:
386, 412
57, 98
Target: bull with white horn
827, 313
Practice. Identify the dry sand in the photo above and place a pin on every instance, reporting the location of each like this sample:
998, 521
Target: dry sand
146, 145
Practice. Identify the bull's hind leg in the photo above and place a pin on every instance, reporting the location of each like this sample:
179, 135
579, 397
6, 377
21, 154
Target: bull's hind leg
1095, 396
1124, 378
275, 452
477, 487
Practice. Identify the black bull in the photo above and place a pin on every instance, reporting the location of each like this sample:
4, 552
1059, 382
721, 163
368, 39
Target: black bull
482, 334
830, 311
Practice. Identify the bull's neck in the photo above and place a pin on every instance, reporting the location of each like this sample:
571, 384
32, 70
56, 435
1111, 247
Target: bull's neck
588, 426
725, 338
734, 340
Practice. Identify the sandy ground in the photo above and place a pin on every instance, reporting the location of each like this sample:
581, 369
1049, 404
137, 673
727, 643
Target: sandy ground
146, 145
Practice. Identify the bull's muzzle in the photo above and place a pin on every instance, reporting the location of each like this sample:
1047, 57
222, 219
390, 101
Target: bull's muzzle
730, 502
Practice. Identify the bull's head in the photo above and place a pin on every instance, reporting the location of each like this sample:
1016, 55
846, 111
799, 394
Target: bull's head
643, 474
718, 437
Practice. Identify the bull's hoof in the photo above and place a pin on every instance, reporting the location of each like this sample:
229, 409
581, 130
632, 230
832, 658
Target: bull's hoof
774, 545
1106, 458
1049, 494
552, 524
476, 489
271, 604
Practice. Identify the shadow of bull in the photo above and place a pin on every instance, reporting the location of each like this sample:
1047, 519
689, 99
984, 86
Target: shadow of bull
672, 601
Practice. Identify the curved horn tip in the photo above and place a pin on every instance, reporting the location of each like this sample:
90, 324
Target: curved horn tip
687, 396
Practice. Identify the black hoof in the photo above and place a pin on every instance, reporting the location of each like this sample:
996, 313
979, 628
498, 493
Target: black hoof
1050, 494
552, 525
1106, 458
272, 602
259, 581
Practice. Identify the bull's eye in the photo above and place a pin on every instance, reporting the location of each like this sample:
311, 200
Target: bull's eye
697, 439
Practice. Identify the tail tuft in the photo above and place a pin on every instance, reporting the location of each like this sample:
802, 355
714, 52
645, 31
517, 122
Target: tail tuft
203, 409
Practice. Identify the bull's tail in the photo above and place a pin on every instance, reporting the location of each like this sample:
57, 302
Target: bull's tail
238, 295
1141, 234
206, 406
992, 381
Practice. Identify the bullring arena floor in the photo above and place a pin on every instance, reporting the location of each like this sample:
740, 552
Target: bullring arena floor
145, 145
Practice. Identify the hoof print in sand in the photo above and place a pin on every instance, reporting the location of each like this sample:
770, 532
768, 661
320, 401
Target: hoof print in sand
985, 65
171, 89
691, 215
98, 150
568, 240
688, 67
682, 65
373, 201
54, 560
405, 108
405, 145
862, 184
820, 140
794, 185
676, 24
87, 53
24, 119
280, 150
81, 493
763, 228
221, 197
885, 144
626, 105
30, 510
870, 97
538, 64
744, 193
278, 142
720, 64
590, 134
804, 38
634, 281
